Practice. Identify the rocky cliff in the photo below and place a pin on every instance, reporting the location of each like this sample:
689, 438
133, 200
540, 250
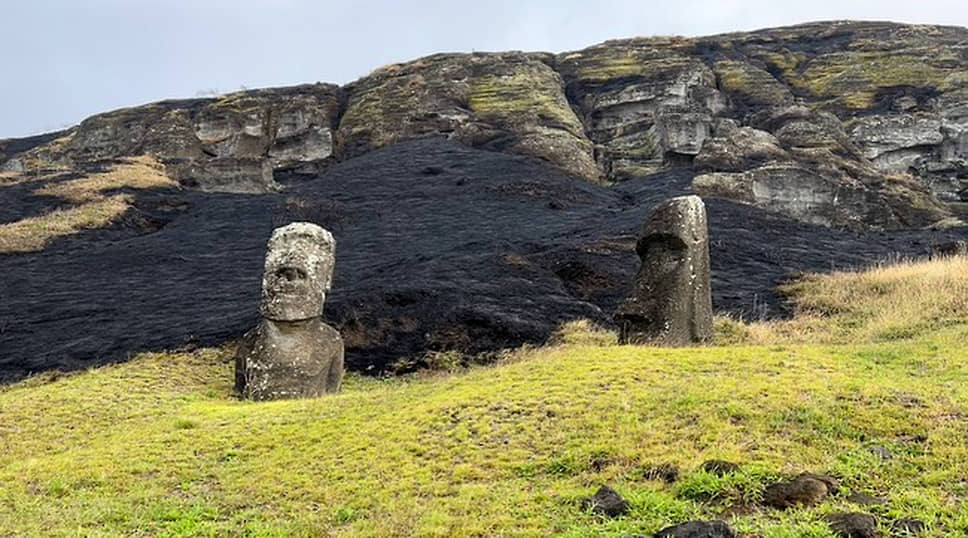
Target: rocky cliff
845, 124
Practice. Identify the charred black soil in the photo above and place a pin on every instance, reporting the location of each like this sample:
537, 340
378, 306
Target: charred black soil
439, 247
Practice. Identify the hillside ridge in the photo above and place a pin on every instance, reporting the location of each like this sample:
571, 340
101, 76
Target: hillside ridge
868, 117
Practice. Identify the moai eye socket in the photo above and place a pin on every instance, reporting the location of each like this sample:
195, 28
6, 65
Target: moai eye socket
291, 273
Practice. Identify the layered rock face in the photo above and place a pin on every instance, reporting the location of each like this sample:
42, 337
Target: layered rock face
645, 104
512, 102
847, 124
233, 143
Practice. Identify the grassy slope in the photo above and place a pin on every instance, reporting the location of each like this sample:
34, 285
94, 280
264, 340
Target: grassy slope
159, 447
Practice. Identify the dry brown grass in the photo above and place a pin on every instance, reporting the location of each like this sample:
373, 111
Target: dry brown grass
142, 172
33, 233
10, 178
94, 208
882, 303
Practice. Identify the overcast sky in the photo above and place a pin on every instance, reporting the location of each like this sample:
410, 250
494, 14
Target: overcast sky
63, 60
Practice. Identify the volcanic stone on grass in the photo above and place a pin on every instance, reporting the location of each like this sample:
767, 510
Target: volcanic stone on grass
666, 472
719, 467
697, 529
906, 527
606, 502
853, 525
804, 490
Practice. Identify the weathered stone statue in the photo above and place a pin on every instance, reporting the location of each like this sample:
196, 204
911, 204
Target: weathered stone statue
292, 353
670, 303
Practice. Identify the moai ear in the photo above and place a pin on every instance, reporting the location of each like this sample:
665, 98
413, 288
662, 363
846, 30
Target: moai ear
327, 259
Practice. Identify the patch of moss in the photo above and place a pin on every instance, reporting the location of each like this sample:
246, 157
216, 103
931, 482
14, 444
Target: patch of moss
754, 85
601, 65
376, 112
524, 95
785, 61
855, 78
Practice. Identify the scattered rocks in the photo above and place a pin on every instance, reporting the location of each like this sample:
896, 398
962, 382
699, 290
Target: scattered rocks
606, 502
292, 353
719, 467
670, 302
697, 529
880, 451
666, 472
907, 527
853, 525
805, 490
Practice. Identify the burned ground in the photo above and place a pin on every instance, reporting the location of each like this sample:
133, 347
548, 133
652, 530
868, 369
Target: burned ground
439, 247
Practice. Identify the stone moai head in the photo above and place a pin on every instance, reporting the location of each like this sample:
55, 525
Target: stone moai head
675, 230
298, 272
670, 301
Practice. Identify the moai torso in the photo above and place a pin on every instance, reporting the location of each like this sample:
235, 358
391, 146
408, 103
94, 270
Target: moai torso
671, 302
292, 353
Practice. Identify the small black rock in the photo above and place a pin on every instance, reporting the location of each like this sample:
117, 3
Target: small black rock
907, 527
432, 170
880, 451
853, 525
666, 472
807, 489
719, 467
697, 529
606, 502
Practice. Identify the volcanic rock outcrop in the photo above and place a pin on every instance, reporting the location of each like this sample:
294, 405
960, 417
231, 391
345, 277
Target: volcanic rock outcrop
671, 302
846, 124
292, 353
229, 144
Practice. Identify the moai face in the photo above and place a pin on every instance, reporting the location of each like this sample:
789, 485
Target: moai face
298, 272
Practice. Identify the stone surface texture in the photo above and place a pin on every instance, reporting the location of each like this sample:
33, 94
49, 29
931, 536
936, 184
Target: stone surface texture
697, 529
291, 353
671, 302
853, 525
606, 502
807, 489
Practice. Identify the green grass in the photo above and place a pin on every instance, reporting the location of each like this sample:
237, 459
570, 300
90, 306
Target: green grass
159, 446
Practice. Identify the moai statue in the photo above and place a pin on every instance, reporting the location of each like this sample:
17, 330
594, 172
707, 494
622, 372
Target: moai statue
670, 303
292, 353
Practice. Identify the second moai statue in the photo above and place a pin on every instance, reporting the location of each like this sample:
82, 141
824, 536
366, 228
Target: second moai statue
291, 353
670, 302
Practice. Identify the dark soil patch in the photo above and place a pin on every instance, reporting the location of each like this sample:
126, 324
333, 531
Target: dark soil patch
465, 260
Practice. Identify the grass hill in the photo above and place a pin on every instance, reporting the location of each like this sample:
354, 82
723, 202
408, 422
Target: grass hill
866, 383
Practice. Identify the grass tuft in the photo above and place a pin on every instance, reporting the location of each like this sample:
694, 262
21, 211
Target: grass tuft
888, 302
142, 172
34, 233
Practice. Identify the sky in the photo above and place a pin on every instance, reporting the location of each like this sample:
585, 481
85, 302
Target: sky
64, 60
